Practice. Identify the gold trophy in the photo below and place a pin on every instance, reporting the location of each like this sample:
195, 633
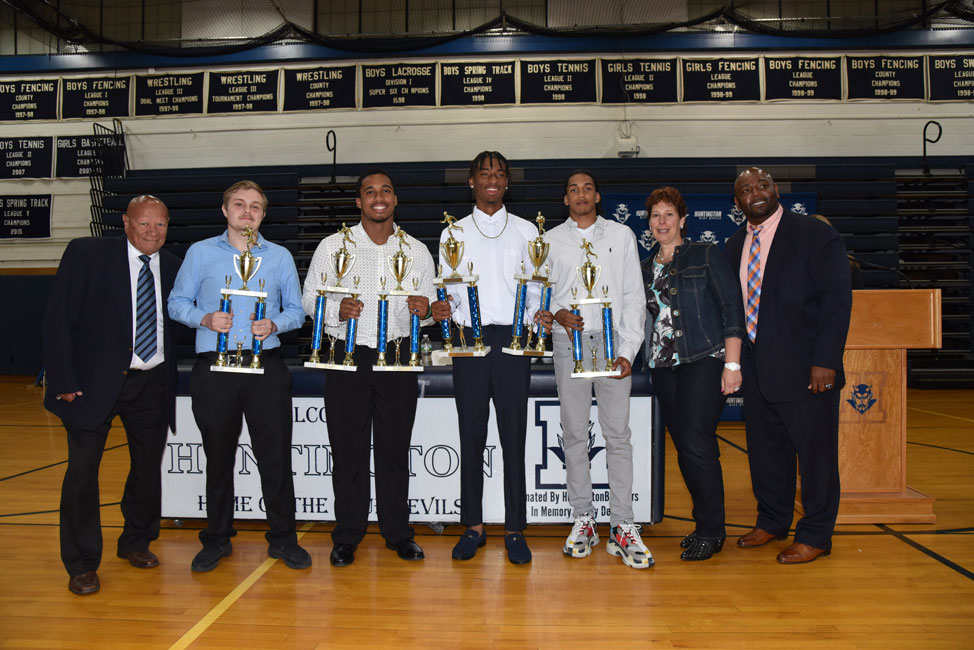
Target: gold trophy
246, 267
399, 265
341, 265
588, 276
537, 253
451, 250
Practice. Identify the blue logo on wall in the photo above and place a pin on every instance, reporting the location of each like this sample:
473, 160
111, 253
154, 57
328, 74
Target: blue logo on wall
862, 398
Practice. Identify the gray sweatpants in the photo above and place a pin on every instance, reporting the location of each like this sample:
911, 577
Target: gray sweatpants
575, 396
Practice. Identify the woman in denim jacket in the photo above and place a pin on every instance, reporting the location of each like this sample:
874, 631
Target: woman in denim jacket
694, 303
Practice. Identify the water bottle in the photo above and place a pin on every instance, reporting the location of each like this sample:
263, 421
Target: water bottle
426, 351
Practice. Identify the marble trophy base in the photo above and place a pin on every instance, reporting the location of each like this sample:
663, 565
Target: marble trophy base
397, 369
469, 352
531, 352
456, 279
243, 292
337, 289
596, 373
330, 366
243, 370
533, 277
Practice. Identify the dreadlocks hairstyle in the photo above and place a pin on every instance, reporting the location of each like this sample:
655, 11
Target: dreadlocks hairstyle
488, 157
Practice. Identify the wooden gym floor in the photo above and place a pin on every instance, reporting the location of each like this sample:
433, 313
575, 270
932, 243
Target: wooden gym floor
895, 586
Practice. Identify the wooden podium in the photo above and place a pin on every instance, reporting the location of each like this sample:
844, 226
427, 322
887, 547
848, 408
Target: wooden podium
872, 409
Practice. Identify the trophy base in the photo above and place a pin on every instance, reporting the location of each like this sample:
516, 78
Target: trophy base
599, 373
528, 277
334, 289
243, 370
469, 352
441, 358
330, 366
243, 292
527, 352
459, 279
397, 368
588, 301
402, 292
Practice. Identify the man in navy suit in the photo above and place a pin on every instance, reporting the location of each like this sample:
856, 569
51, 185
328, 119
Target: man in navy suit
797, 300
108, 351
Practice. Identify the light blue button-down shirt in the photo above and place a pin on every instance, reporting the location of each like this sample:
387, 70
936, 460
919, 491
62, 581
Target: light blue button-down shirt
196, 292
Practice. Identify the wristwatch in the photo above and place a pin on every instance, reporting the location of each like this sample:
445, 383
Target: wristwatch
733, 367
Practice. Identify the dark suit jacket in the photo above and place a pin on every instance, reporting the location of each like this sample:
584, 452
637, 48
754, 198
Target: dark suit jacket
806, 302
88, 330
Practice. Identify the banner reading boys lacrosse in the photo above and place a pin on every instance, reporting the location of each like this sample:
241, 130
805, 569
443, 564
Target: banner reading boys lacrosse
710, 217
434, 484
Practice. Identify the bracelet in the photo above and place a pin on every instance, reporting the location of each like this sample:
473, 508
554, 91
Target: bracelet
429, 313
733, 367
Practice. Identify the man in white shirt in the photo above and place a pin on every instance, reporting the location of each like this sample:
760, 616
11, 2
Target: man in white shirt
496, 242
615, 247
366, 406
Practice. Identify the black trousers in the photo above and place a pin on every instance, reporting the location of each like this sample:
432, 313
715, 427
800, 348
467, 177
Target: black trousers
504, 379
220, 402
691, 402
367, 410
142, 408
776, 434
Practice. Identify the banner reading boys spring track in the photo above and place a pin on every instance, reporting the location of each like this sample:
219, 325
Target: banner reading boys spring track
434, 458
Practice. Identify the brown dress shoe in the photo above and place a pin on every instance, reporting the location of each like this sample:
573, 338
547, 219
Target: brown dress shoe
140, 559
758, 537
800, 553
84, 583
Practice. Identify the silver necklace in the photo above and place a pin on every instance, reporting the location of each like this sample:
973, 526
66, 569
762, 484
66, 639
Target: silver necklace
507, 216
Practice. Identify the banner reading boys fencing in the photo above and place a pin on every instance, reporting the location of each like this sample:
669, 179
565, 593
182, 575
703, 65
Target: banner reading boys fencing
710, 217
434, 458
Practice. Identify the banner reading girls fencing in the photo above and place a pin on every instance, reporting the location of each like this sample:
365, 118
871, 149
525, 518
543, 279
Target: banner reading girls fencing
434, 466
710, 217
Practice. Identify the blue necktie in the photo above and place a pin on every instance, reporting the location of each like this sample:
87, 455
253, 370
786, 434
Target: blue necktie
145, 312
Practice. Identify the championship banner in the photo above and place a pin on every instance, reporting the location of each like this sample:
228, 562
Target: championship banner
26, 216
803, 77
95, 97
639, 81
29, 157
399, 84
319, 88
473, 83
885, 77
558, 81
434, 459
951, 77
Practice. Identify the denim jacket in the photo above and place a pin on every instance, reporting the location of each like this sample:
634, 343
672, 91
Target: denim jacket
705, 299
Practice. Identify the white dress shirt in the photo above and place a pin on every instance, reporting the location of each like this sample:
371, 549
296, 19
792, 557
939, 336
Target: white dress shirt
496, 244
371, 263
615, 245
135, 267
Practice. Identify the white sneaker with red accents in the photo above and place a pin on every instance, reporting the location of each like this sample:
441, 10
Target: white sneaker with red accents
582, 538
625, 542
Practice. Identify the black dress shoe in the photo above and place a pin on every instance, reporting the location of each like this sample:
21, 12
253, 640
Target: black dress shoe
293, 556
208, 558
342, 555
140, 559
407, 549
702, 548
84, 583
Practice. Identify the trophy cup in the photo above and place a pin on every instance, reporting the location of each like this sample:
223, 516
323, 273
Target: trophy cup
452, 251
246, 267
399, 265
588, 276
341, 264
318, 326
538, 252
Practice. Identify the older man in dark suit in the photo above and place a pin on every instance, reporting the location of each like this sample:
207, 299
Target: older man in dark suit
797, 301
108, 351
